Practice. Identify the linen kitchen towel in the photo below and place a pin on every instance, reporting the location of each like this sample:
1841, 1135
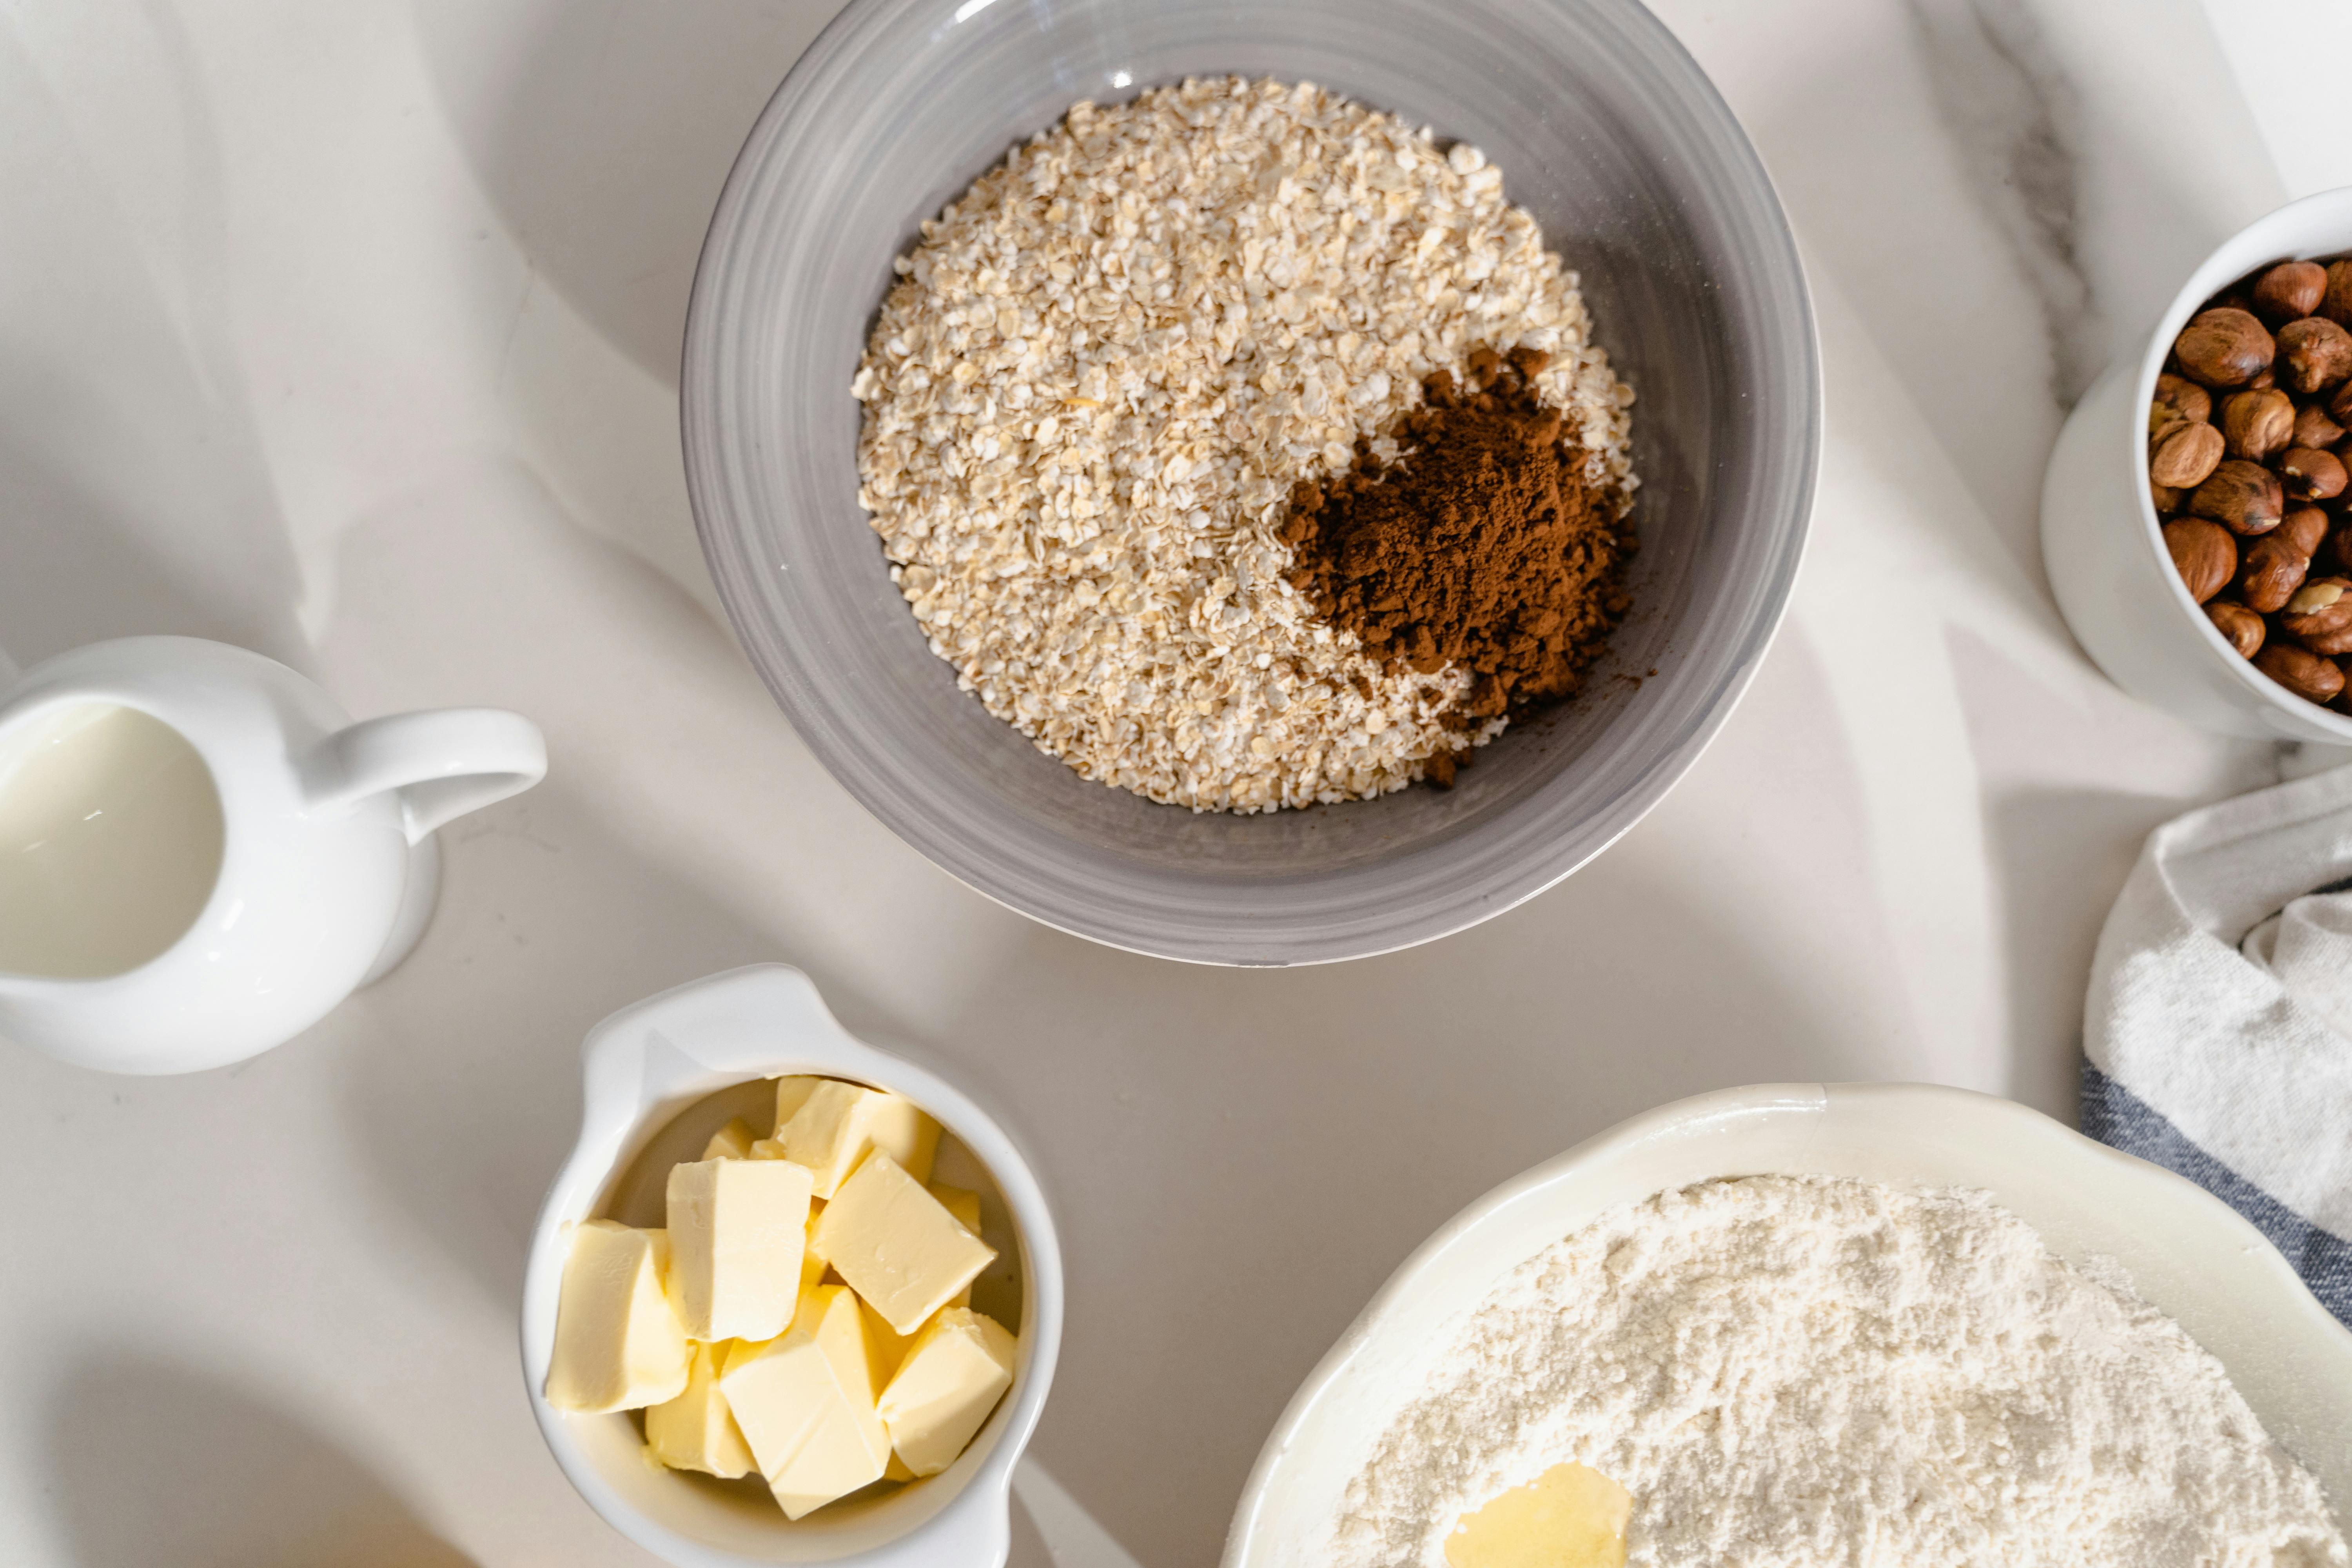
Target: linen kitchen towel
2218, 1033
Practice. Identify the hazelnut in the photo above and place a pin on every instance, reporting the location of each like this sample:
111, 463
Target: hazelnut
2267, 376
2182, 397
2203, 554
2257, 424
2314, 352
2312, 476
2244, 495
2272, 571
2304, 528
2168, 498
2340, 406
2223, 348
2291, 289
2313, 428
2317, 609
2308, 675
2185, 456
2323, 594
2239, 625
2336, 303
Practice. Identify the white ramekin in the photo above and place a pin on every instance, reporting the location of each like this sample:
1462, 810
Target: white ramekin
2104, 549
643, 1065
2186, 1252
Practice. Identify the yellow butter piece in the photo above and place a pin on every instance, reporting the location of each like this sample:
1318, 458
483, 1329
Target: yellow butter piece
897, 1245
888, 1346
791, 1093
1570, 1517
696, 1431
732, 1142
767, 1149
737, 1228
839, 1124
965, 1206
805, 1403
897, 1470
812, 1259
954, 1372
618, 1346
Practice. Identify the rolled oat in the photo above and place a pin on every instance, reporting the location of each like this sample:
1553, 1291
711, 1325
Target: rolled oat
1103, 370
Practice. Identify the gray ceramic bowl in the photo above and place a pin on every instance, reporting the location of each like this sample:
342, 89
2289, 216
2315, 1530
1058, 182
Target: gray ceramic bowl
1641, 178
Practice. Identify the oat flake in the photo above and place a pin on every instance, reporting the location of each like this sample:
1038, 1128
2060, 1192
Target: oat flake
1101, 373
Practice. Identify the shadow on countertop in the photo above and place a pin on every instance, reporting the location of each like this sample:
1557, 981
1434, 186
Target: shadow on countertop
155, 1463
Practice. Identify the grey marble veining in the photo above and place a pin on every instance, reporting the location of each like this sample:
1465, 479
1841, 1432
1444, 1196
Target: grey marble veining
2017, 121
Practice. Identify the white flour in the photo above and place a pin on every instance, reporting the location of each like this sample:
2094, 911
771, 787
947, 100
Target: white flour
1791, 1371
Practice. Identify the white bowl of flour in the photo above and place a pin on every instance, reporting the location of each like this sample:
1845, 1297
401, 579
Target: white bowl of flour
1873, 1362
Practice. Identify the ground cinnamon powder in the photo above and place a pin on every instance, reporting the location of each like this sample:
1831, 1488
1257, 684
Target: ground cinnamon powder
1483, 545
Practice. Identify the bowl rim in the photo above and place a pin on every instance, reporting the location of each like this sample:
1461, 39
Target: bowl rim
1726, 1113
648, 1061
1307, 934
2222, 265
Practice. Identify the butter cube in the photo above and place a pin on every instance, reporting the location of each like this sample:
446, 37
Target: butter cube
618, 1346
965, 1206
736, 1232
791, 1093
732, 1142
897, 1245
812, 1255
955, 1372
887, 1344
839, 1124
696, 1431
805, 1403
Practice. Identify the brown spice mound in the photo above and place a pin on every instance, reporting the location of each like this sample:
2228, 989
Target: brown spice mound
1483, 545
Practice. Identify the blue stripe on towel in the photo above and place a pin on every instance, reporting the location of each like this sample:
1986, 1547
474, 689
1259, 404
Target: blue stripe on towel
2120, 1119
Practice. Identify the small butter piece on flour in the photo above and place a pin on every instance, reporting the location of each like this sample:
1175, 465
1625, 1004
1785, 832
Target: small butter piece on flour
839, 1124
737, 1228
897, 1245
618, 1346
805, 1403
953, 1374
696, 1431
732, 1142
1568, 1517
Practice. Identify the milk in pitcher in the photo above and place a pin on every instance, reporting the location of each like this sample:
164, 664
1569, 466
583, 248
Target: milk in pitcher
111, 836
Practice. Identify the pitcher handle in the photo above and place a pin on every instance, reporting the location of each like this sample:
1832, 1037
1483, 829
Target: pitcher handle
442, 765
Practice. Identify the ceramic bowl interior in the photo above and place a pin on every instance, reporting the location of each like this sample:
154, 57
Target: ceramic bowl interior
1601, 125
2186, 1252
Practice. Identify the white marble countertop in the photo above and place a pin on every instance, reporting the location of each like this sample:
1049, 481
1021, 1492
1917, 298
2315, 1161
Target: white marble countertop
347, 332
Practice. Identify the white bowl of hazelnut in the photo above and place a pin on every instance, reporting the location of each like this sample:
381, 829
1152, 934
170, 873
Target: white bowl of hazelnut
2194, 516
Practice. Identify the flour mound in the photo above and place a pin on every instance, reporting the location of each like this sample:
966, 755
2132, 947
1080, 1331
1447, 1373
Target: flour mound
1800, 1372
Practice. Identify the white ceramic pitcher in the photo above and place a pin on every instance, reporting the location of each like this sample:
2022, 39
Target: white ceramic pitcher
322, 864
